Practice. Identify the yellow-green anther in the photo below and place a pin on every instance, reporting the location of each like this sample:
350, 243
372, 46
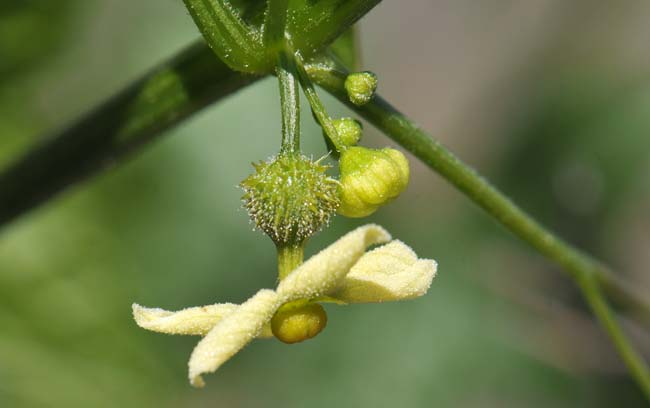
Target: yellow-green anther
361, 87
349, 131
370, 178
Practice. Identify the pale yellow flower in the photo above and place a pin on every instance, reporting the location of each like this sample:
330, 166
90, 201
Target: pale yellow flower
342, 272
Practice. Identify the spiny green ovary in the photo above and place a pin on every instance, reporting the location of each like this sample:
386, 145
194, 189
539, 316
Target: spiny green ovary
290, 197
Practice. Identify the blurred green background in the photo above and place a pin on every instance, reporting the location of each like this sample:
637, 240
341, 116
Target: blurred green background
549, 99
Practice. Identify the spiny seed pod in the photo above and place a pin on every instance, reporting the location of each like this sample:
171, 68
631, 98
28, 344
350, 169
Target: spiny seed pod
361, 87
348, 130
297, 321
290, 198
370, 178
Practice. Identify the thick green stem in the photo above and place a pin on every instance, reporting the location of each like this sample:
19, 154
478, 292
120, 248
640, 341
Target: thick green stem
580, 266
137, 115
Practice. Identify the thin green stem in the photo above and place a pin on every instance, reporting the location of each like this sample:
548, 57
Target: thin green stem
436, 156
276, 42
317, 106
578, 265
634, 361
289, 258
290, 105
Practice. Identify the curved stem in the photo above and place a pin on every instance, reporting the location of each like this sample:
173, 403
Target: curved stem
162, 98
412, 138
581, 267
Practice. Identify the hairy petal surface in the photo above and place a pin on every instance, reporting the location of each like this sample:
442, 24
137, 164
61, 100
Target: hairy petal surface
323, 273
388, 273
232, 333
196, 321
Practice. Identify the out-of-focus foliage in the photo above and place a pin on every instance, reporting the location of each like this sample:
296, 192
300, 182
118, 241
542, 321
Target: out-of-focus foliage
498, 327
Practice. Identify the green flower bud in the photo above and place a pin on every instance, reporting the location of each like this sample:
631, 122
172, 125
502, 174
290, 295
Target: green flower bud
361, 87
370, 178
290, 198
298, 321
349, 130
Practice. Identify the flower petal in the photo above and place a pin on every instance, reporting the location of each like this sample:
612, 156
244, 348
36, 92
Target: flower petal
390, 272
232, 333
193, 320
324, 272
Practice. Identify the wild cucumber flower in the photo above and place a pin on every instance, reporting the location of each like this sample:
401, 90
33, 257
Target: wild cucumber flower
370, 178
342, 273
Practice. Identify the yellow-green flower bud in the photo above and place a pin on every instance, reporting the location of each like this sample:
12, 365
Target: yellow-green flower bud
348, 130
298, 321
290, 198
370, 178
361, 87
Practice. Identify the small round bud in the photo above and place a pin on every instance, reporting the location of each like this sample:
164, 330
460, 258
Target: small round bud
297, 321
290, 198
361, 87
349, 130
370, 178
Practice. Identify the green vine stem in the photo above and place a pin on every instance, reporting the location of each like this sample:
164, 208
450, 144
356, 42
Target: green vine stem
317, 105
275, 40
167, 95
586, 272
634, 361
290, 105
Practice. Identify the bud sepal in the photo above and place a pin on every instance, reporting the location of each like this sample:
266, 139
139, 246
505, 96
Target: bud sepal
370, 178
